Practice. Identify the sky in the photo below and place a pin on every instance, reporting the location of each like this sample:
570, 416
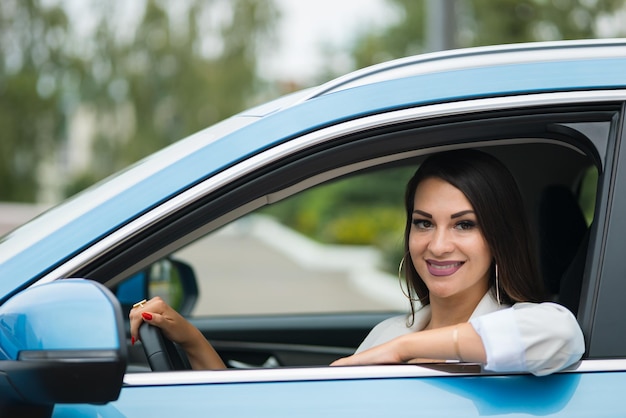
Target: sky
308, 26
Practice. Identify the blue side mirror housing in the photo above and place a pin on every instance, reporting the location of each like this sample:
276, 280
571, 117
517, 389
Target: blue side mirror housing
61, 342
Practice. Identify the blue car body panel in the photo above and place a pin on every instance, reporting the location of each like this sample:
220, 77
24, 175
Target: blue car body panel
560, 395
47, 251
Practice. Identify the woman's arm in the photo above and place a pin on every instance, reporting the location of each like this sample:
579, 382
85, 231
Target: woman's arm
458, 342
528, 337
156, 312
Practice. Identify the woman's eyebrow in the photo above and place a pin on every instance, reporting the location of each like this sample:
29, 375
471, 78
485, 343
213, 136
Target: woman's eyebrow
459, 214
453, 216
424, 214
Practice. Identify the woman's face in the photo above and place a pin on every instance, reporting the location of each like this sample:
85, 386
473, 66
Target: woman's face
446, 245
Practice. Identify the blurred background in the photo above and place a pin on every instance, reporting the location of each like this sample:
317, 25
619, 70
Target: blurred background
87, 87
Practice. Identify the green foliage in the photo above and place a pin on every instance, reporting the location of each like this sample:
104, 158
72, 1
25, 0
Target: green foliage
510, 21
406, 36
140, 86
367, 209
487, 22
29, 104
176, 80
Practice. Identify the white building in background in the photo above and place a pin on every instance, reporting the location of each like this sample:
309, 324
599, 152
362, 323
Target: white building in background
72, 158
76, 156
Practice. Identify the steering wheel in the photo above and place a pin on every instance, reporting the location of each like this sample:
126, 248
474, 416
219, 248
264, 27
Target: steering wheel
162, 354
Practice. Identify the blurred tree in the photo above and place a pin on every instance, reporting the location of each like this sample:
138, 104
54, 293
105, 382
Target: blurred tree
405, 36
174, 77
30, 103
485, 22
509, 21
119, 89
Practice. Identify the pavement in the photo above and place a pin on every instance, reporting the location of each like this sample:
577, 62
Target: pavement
257, 266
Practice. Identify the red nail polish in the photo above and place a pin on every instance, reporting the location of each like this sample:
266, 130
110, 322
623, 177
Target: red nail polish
132, 340
146, 315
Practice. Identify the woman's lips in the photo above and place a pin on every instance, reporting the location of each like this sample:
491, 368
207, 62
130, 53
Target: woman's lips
443, 268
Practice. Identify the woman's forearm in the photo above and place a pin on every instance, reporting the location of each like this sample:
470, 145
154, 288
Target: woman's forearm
458, 342
202, 355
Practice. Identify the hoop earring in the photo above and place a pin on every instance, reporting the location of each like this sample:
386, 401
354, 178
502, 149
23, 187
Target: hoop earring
497, 286
405, 293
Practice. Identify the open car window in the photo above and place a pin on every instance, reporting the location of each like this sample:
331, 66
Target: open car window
335, 248
330, 249
294, 264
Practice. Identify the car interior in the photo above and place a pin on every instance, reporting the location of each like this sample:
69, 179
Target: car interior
560, 199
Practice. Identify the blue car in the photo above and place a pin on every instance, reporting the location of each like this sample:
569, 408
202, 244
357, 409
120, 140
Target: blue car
201, 224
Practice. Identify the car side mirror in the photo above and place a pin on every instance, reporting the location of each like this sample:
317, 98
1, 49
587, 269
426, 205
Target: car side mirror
61, 342
173, 280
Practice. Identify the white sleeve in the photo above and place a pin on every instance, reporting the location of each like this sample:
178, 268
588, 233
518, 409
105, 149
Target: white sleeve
529, 337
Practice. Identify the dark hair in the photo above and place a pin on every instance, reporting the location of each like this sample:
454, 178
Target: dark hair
497, 202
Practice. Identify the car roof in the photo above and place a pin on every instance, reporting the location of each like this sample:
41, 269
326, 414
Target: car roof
43, 243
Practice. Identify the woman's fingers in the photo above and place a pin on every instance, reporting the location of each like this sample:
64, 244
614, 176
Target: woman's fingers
158, 313
145, 311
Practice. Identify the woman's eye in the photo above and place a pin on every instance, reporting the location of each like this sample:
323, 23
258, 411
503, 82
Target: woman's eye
465, 225
422, 223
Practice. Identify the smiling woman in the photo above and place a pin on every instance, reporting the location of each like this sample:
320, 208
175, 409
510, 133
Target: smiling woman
471, 258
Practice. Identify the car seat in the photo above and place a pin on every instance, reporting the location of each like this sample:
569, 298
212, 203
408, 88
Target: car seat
563, 239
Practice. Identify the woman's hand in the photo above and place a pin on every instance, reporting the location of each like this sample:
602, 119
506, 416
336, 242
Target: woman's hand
158, 313
386, 353
177, 329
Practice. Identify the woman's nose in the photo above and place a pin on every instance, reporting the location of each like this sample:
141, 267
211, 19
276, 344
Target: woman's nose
441, 242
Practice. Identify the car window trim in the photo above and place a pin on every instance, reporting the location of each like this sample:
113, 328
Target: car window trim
342, 373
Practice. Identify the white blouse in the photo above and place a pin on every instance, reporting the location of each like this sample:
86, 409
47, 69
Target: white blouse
540, 338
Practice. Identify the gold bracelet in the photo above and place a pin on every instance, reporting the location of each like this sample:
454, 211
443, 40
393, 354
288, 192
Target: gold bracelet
455, 340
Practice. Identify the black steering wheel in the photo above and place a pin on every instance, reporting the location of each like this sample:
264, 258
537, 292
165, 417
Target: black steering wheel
161, 353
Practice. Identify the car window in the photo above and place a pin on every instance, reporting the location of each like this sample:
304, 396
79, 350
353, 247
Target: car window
316, 263
334, 248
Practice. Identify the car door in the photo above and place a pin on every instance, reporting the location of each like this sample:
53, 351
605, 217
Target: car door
542, 146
